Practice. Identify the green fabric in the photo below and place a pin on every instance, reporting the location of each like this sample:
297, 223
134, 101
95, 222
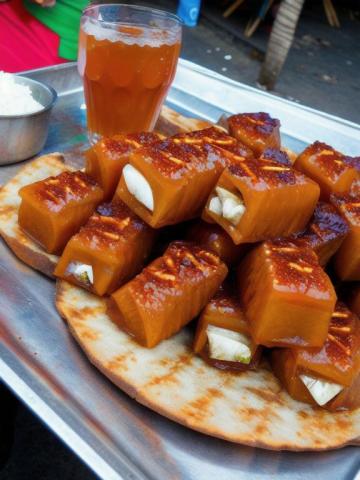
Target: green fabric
63, 19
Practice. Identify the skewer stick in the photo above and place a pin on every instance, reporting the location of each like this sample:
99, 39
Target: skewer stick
234, 6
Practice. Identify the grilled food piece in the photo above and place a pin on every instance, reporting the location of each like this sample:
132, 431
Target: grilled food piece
109, 250
214, 238
168, 182
167, 294
328, 167
222, 336
328, 376
106, 159
325, 232
347, 258
276, 155
256, 130
254, 200
54, 209
286, 296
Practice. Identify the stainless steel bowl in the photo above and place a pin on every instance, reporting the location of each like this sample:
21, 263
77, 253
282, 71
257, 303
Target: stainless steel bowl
22, 136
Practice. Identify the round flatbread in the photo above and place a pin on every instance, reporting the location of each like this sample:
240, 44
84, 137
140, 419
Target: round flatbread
24, 248
249, 408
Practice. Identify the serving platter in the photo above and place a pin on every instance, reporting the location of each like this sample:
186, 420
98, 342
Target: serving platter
118, 426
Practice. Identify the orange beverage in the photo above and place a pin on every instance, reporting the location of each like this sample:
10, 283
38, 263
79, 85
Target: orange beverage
127, 58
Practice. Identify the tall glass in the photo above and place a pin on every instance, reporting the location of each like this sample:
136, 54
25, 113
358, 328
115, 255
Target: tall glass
127, 58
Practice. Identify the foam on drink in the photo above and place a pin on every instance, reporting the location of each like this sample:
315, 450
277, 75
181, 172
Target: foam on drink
153, 37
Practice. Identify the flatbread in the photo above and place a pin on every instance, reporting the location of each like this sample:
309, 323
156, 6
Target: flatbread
171, 123
249, 408
24, 248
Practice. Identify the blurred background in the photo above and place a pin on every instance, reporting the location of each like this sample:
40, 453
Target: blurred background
305, 51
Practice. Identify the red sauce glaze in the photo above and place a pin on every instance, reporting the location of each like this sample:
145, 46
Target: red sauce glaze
349, 206
111, 223
182, 262
123, 144
330, 161
215, 238
200, 150
296, 268
224, 301
59, 191
218, 138
172, 159
342, 344
267, 173
254, 124
275, 155
325, 225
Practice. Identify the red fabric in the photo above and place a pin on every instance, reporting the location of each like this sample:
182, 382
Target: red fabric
25, 43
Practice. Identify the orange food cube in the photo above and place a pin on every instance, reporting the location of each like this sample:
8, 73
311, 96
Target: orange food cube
214, 238
325, 232
276, 155
329, 168
347, 258
109, 249
52, 210
335, 366
254, 200
106, 159
167, 294
168, 182
256, 130
287, 297
224, 312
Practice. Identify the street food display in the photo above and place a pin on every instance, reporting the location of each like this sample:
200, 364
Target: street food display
168, 293
325, 231
53, 210
214, 238
257, 130
347, 258
329, 168
223, 335
107, 158
260, 198
329, 376
239, 295
108, 250
169, 181
287, 297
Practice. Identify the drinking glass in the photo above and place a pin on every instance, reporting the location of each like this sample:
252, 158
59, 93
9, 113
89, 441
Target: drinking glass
127, 58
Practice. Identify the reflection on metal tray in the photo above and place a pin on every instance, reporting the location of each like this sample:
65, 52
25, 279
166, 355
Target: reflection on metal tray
39, 360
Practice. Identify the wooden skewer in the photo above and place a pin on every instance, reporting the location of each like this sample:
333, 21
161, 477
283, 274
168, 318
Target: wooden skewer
252, 26
331, 14
235, 5
334, 14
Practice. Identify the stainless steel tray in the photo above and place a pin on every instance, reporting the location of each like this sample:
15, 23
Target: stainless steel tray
43, 365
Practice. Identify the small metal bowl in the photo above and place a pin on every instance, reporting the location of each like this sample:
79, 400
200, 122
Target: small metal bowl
23, 136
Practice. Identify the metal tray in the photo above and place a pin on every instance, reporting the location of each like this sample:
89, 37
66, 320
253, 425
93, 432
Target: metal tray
43, 365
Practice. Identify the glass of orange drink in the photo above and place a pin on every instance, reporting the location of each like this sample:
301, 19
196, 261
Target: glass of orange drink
127, 58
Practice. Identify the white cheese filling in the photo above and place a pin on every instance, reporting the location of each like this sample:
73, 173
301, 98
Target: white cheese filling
227, 205
138, 186
82, 272
228, 345
321, 390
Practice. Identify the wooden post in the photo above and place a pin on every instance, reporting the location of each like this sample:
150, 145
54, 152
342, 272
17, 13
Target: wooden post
280, 41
